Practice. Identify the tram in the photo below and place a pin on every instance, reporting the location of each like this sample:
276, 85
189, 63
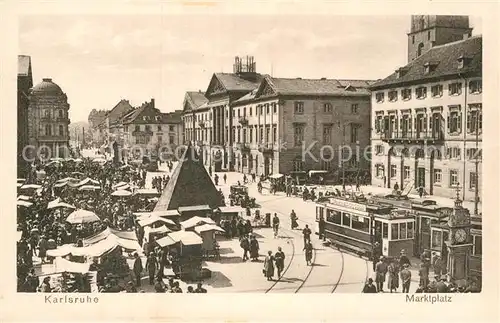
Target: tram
355, 224
396, 222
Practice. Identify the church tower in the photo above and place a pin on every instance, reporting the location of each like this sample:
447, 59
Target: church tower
429, 31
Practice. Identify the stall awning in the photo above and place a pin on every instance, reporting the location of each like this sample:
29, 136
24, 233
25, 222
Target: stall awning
153, 220
186, 237
19, 235
314, 172
196, 220
24, 203
231, 209
194, 208
147, 191
162, 214
62, 265
165, 241
162, 229
275, 176
208, 227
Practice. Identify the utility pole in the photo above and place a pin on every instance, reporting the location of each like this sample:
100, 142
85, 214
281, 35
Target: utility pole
343, 146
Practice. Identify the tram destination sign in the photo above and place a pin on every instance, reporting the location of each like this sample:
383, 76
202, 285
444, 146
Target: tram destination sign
349, 205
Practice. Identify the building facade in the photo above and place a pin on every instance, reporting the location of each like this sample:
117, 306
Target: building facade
288, 125
95, 119
48, 116
24, 84
427, 121
149, 132
113, 125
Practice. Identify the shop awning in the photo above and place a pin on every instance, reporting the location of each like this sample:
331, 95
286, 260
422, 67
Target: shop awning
165, 241
231, 209
154, 219
196, 220
208, 227
186, 237
276, 176
314, 172
194, 208
163, 214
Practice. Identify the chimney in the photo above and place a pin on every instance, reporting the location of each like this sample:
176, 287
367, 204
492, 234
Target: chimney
323, 78
299, 78
153, 102
199, 91
47, 80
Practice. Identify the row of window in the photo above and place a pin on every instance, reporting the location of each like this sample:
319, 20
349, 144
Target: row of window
299, 131
437, 242
437, 176
327, 108
146, 140
448, 152
48, 130
454, 89
421, 122
47, 113
345, 219
149, 129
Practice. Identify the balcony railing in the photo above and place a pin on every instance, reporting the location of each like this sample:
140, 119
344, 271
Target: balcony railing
243, 121
431, 136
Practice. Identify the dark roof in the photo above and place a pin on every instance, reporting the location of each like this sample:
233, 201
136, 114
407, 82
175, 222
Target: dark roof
189, 185
233, 82
196, 98
47, 87
172, 117
315, 87
23, 65
446, 56
119, 110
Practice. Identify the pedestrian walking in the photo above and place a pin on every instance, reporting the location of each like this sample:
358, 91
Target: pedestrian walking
137, 269
308, 248
276, 225
380, 272
279, 258
245, 245
405, 275
376, 253
423, 273
269, 266
393, 277
216, 179
403, 259
225, 178
437, 264
307, 235
151, 267
254, 248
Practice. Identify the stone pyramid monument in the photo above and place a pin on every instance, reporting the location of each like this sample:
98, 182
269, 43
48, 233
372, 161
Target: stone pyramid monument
189, 185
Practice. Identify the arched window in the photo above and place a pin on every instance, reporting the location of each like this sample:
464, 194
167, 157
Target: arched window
420, 49
61, 130
48, 130
405, 152
60, 114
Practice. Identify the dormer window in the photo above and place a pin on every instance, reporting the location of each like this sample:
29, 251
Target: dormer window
400, 72
430, 67
463, 61
393, 96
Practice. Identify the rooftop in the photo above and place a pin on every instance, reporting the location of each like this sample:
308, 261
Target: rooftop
446, 59
23, 65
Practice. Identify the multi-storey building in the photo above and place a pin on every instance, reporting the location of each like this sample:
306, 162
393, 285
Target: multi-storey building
113, 127
48, 120
149, 132
211, 122
24, 84
427, 116
96, 118
191, 113
301, 124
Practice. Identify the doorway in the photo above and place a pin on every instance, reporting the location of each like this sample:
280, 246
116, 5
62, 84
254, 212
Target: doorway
266, 166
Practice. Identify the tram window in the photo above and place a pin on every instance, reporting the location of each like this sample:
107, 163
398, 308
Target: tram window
394, 231
346, 219
410, 230
385, 230
333, 216
478, 245
361, 223
426, 224
402, 231
436, 239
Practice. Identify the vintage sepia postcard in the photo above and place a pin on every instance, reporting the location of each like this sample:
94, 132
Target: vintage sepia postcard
312, 151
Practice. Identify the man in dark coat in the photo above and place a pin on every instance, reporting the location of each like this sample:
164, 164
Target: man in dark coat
200, 289
380, 272
279, 259
151, 266
137, 269
441, 286
245, 245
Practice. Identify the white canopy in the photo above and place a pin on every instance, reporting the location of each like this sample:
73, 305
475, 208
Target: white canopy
62, 184
24, 203
196, 220
67, 179
208, 227
19, 185
19, 235
186, 237
162, 229
89, 188
62, 265
82, 216
154, 219
163, 214
276, 176
119, 184
126, 235
165, 241
57, 203
24, 198
123, 187
231, 209
147, 191
21, 180
121, 193
88, 181
31, 186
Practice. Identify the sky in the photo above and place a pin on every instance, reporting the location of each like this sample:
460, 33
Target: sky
98, 60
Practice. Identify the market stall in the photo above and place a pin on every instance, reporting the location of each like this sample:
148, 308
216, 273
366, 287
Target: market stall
207, 233
188, 253
187, 212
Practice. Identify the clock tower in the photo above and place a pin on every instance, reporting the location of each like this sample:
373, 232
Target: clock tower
459, 242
